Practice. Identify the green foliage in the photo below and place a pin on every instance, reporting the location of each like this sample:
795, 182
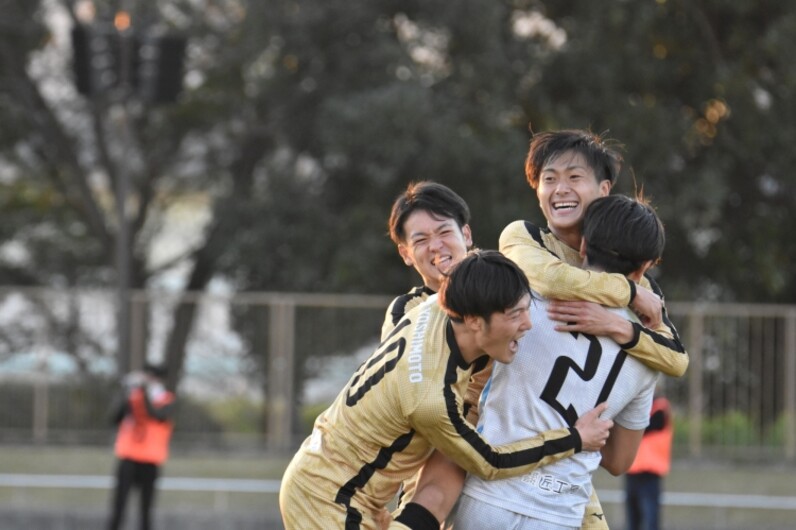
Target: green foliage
776, 435
238, 415
731, 429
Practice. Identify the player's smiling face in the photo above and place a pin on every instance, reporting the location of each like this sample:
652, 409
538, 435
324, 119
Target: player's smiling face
567, 185
500, 337
433, 245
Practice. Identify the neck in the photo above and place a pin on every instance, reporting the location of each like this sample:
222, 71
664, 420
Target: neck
570, 237
465, 339
635, 275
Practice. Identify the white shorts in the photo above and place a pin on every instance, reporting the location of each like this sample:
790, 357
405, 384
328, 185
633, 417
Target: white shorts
472, 514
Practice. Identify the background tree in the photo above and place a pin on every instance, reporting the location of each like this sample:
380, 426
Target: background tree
301, 121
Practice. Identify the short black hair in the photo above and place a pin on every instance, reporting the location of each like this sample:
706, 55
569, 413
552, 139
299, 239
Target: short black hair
432, 197
155, 370
622, 233
483, 283
602, 154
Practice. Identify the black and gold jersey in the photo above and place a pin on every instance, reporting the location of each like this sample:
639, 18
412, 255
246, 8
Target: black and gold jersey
553, 271
402, 305
402, 402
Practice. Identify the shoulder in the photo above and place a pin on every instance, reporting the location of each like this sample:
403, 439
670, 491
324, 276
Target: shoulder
523, 232
519, 228
406, 302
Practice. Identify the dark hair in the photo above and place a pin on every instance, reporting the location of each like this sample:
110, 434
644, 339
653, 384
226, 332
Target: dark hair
622, 233
483, 283
432, 197
600, 153
155, 370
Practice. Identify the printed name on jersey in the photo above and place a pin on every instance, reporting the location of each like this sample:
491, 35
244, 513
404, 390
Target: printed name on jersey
550, 483
415, 359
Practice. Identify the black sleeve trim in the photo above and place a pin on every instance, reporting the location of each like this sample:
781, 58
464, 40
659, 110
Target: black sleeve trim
676, 343
632, 285
417, 517
576, 436
636, 335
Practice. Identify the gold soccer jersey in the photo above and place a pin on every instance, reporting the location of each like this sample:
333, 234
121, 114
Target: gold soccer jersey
552, 270
402, 305
402, 402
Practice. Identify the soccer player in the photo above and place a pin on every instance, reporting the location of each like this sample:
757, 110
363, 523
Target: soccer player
430, 225
569, 169
557, 373
406, 399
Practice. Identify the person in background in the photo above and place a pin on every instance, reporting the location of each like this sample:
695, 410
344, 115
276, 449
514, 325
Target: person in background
143, 413
645, 477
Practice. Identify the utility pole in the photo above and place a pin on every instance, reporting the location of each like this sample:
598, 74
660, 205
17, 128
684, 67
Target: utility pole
123, 24
114, 64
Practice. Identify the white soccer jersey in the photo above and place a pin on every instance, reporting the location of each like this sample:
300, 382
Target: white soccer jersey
555, 378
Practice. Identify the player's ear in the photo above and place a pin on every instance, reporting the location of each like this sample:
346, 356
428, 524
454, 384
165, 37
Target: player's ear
605, 187
404, 252
468, 236
473, 323
637, 274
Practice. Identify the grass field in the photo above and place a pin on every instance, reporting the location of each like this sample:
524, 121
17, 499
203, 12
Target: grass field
691, 477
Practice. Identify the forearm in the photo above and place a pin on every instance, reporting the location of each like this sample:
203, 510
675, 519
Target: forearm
553, 278
470, 451
438, 486
657, 351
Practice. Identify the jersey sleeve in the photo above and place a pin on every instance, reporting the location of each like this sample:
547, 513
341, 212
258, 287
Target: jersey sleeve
389, 319
661, 348
401, 305
551, 277
440, 420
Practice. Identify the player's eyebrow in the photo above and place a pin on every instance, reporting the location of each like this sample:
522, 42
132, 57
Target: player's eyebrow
444, 224
549, 169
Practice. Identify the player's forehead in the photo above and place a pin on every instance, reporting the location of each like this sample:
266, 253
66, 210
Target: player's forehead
567, 161
424, 222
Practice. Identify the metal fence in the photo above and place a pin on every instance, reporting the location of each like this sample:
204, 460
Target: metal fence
259, 366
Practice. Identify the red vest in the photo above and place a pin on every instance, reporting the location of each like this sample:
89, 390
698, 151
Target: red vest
655, 452
142, 438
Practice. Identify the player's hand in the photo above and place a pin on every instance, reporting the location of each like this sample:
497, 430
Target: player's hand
584, 317
593, 429
591, 318
648, 306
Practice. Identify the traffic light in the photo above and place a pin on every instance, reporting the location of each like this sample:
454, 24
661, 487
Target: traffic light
97, 58
149, 66
160, 67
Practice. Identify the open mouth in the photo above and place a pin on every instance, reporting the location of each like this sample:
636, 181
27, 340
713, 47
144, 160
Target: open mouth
565, 205
443, 262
